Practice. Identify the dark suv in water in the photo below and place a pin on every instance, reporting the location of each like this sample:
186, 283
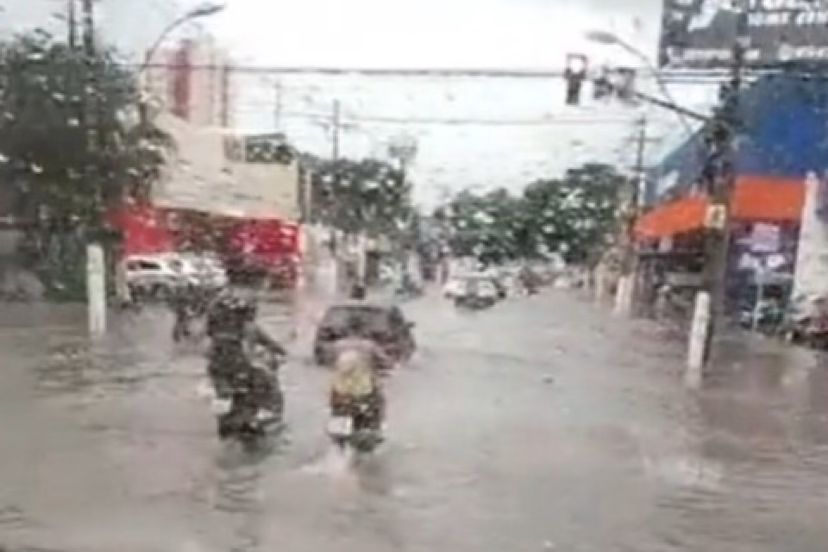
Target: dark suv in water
384, 324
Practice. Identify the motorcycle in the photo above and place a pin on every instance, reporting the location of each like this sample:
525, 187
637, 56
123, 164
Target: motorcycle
766, 317
408, 289
252, 404
356, 422
806, 322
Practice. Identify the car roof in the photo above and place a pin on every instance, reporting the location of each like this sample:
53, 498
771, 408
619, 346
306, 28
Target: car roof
477, 276
145, 258
362, 305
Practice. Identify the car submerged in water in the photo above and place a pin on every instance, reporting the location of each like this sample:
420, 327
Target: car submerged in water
384, 324
477, 292
159, 276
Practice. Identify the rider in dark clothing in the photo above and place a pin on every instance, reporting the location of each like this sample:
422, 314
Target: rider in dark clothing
183, 306
235, 340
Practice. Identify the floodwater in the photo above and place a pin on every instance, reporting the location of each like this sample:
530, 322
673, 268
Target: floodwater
542, 424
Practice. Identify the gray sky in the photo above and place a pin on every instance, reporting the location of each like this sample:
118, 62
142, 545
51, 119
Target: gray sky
445, 33
423, 33
475, 33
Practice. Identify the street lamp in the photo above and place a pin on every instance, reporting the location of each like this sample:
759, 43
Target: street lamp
611, 39
204, 10
199, 12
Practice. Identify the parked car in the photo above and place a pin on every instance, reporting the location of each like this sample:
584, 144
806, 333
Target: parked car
154, 276
384, 324
479, 292
459, 286
454, 287
158, 275
204, 269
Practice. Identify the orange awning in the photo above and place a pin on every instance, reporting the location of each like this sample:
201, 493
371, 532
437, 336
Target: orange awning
768, 199
674, 217
755, 198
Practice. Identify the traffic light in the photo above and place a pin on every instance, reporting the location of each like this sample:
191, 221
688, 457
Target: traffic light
616, 82
602, 87
575, 74
625, 84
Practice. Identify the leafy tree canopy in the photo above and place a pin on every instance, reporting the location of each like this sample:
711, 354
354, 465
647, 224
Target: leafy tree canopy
51, 97
573, 216
360, 196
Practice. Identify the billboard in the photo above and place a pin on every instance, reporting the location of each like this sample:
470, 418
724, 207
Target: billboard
701, 33
227, 175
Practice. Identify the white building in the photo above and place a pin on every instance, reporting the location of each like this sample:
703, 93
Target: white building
192, 79
211, 173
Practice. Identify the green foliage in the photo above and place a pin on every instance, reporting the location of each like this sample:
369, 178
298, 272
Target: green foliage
50, 98
489, 227
360, 196
572, 216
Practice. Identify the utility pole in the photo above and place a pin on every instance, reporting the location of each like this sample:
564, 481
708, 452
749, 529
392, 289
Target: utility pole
72, 21
336, 129
277, 111
640, 176
91, 92
95, 258
719, 177
225, 95
625, 292
336, 249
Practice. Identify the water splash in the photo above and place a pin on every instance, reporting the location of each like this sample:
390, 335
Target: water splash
336, 463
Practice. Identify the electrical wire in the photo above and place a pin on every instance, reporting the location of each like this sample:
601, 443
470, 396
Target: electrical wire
448, 121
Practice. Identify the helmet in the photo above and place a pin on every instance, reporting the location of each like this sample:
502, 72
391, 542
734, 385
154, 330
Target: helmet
229, 315
243, 307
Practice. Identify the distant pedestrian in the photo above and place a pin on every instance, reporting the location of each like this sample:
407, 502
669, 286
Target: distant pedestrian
358, 292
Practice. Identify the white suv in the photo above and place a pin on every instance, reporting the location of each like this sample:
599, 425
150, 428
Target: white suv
154, 275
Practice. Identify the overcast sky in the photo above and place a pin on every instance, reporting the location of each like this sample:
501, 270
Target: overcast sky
415, 33
444, 33
473, 33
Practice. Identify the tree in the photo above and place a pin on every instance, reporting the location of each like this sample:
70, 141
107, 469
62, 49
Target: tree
360, 196
486, 226
59, 182
573, 216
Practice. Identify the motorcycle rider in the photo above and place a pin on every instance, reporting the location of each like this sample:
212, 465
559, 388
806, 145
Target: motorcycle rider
358, 292
235, 339
358, 367
528, 279
187, 304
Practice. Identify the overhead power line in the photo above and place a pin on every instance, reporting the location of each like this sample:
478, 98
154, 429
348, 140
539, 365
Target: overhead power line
449, 121
671, 75
364, 71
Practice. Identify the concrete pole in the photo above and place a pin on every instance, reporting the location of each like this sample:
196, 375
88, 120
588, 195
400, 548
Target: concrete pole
336, 131
721, 182
95, 259
624, 295
698, 342
96, 289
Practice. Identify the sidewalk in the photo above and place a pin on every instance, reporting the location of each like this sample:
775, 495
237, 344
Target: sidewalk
741, 360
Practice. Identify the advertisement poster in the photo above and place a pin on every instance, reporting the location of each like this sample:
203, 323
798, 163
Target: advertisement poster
701, 33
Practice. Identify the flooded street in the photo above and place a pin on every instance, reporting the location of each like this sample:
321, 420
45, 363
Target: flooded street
525, 178
540, 425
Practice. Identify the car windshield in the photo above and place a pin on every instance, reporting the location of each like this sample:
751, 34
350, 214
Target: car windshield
589, 238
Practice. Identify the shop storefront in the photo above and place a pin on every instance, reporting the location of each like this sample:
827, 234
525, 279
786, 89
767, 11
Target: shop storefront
782, 140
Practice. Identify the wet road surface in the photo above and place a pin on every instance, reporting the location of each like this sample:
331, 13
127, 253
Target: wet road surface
543, 424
